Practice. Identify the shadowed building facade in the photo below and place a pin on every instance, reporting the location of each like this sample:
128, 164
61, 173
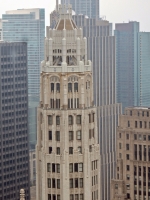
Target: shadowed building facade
14, 146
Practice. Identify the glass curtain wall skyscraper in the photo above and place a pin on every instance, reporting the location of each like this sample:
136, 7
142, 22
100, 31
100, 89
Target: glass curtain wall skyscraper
14, 147
86, 7
28, 25
133, 65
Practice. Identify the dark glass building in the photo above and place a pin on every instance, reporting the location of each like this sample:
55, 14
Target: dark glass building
14, 155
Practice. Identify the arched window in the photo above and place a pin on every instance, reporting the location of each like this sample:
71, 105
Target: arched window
52, 87
75, 87
58, 87
69, 87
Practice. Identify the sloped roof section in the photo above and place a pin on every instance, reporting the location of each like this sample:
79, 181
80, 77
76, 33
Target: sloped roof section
67, 24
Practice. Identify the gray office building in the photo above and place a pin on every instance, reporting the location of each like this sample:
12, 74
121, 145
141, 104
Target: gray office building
101, 50
28, 25
14, 145
89, 8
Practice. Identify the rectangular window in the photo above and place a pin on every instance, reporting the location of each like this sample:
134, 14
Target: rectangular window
49, 183
70, 120
135, 124
58, 150
89, 118
81, 182
70, 150
53, 183
76, 197
57, 120
53, 167
50, 119
58, 197
130, 112
148, 137
128, 186
58, 183
135, 137
147, 114
48, 167
52, 103
127, 147
128, 156
128, 177
143, 113
57, 135
49, 196
127, 136
78, 119
50, 135
80, 167
50, 150
128, 123
57, 103
80, 149
58, 168
81, 197
90, 148
70, 135
75, 167
119, 135
71, 197
145, 124
128, 168
71, 168
144, 137
119, 145
79, 135
76, 182
140, 124
71, 183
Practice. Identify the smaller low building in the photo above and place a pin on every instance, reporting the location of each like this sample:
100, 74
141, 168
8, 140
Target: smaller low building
133, 156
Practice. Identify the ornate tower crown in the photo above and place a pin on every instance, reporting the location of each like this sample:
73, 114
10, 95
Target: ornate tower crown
65, 45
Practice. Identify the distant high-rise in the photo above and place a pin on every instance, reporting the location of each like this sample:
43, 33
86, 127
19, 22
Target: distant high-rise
14, 147
126, 62
133, 156
89, 8
67, 153
132, 65
143, 74
0, 29
28, 25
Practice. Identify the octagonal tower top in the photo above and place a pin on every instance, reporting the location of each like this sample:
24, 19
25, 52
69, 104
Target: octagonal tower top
65, 47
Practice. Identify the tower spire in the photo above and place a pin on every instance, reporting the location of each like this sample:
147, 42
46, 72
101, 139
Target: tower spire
57, 5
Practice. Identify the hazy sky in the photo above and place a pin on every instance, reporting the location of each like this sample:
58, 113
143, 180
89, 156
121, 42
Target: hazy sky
116, 11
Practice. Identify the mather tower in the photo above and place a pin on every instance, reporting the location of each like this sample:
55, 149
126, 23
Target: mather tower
67, 139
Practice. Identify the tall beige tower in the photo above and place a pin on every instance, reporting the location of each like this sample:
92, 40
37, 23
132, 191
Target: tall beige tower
68, 159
